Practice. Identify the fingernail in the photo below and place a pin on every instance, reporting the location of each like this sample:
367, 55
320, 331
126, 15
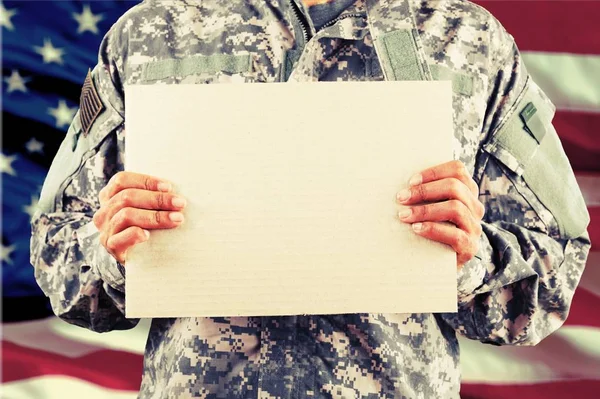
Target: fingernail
403, 195
417, 226
147, 234
162, 186
404, 213
416, 180
178, 202
176, 217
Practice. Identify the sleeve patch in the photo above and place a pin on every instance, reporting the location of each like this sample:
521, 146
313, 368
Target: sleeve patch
90, 104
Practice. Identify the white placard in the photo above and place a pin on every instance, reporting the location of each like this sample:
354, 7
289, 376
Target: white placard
291, 198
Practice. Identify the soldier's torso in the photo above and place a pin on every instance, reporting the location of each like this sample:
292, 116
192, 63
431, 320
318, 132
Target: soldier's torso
338, 356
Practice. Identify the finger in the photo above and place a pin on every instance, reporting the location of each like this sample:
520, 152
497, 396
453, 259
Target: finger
463, 244
448, 211
454, 169
120, 243
125, 180
99, 218
145, 219
441, 190
103, 197
143, 199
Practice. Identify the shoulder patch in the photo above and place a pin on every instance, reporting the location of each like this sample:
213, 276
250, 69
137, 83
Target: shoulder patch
90, 105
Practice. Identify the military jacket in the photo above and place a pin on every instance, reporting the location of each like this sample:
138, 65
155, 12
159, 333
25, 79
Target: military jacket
516, 291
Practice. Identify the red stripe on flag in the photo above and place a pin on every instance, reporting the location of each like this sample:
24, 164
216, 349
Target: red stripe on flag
579, 389
579, 128
578, 134
581, 159
108, 368
567, 26
583, 308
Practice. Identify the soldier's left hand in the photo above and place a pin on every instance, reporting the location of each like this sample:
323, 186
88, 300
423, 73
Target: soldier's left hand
445, 193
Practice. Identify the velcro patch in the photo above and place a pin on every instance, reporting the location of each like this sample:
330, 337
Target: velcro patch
90, 105
532, 123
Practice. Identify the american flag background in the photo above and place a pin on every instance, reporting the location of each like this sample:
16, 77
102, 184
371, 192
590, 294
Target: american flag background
47, 48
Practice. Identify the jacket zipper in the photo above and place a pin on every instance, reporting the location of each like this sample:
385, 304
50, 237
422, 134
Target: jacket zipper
302, 21
333, 21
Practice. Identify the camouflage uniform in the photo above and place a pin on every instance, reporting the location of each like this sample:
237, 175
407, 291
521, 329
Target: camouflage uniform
517, 290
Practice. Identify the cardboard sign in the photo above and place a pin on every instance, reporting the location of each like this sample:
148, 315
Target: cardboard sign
291, 191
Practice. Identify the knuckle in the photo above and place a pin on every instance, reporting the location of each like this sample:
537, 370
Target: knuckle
455, 207
121, 216
161, 201
96, 219
158, 218
148, 183
103, 238
429, 228
124, 198
455, 186
460, 168
461, 242
128, 213
118, 180
420, 192
103, 196
433, 174
111, 244
466, 243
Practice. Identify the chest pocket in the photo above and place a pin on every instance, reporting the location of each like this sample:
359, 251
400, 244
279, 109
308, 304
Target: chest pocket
528, 146
215, 68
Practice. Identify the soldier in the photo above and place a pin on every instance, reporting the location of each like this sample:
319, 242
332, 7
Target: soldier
519, 218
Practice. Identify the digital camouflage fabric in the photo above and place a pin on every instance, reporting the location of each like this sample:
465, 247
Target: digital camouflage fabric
516, 291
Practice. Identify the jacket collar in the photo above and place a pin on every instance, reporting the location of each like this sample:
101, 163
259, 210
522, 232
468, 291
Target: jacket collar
382, 16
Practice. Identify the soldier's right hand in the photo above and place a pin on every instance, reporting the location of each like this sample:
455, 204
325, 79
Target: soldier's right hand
131, 204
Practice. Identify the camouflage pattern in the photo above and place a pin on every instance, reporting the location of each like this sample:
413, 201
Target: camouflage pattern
516, 291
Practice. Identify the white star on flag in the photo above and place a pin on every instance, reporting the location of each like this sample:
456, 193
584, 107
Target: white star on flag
87, 20
6, 164
5, 16
5, 253
50, 53
31, 208
16, 82
63, 114
34, 145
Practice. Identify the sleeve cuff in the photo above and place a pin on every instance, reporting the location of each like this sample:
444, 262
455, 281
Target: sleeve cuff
473, 273
111, 271
98, 258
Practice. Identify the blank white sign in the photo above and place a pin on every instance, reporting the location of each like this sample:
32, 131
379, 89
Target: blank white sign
291, 191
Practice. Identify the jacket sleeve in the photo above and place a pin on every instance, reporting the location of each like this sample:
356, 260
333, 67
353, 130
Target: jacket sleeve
533, 249
84, 282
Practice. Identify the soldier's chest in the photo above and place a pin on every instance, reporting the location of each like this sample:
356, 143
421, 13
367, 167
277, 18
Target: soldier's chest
241, 48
